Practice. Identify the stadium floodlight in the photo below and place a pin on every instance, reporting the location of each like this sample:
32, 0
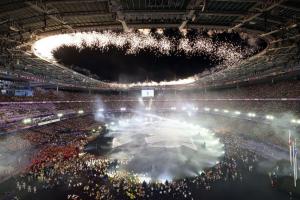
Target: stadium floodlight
237, 112
60, 115
225, 111
27, 120
173, 108
123, 109
251, 114
80, 111
100, 110
216, 110
141, 100
269, 117
207, 109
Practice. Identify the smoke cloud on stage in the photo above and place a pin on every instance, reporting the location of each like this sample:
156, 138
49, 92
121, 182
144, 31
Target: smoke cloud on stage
163, 148
14, 154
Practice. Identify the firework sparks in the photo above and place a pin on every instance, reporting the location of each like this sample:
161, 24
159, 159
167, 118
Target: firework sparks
227, 53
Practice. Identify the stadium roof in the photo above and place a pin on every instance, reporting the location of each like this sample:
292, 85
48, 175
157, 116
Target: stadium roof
22, 22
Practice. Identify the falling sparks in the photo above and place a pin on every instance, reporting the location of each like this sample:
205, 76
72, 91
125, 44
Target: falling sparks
227, 53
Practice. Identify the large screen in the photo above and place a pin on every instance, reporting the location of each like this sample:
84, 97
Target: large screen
147, 93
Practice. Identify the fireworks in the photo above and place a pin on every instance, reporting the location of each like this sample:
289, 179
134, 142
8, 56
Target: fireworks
227, 53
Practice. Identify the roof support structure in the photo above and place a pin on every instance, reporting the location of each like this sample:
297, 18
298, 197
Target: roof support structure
191, 7
116, 6
278, 30
53, 17
267, 8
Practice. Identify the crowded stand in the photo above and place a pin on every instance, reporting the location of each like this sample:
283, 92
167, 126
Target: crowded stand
55, 155
265, 98
149, 100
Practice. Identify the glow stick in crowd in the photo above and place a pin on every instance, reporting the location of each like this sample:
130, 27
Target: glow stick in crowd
290, 147
295, 163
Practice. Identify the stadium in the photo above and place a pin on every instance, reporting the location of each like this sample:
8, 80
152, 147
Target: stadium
149, 99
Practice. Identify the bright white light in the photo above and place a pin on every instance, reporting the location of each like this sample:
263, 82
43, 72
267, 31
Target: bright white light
145, 31
183, 108
216, 110
173, 108
269, 117
237, 112
100, 110
27, 120
195, 108
80, 111
225, 111
60, 115
144, 178
293, 121
123, 109
251, 114
298, 121
207, 109
148, 108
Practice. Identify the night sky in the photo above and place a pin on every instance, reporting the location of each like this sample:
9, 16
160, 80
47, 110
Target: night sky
114, 65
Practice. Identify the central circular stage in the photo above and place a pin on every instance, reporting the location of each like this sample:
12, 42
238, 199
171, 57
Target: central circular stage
155, 148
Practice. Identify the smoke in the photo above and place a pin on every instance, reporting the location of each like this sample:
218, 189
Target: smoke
14, 155
163, 148
99, 109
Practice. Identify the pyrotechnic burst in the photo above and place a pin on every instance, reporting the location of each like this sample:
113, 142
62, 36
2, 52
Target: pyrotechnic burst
228, 54
137, 41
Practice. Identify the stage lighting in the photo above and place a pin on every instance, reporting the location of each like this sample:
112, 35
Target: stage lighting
237, 112
100, 110
269, 117
60, 115
216, 110
251, 114
225, 111
80, 111
123, 109
173, 108
207, 109
27, 121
